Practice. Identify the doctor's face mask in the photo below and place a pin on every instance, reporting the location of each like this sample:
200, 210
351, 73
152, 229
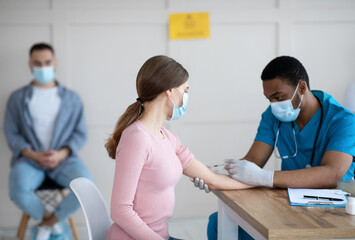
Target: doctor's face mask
284, 110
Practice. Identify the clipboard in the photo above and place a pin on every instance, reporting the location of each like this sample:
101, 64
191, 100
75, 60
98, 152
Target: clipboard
300, 197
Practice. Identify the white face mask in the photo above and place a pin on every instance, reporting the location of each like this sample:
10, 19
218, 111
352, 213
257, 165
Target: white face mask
284, 111
178, 112
43, 74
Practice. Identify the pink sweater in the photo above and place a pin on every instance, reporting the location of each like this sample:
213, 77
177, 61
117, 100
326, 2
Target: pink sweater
147, 170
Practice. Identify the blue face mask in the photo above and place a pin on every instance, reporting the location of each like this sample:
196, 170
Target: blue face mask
44, 74
178, 112
284, 111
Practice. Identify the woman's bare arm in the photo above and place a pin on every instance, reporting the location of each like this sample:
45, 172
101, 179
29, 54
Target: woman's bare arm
196, 169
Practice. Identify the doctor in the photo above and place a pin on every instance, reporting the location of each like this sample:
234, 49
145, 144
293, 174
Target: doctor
310, 131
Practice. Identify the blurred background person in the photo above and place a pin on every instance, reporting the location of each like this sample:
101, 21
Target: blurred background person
45, 128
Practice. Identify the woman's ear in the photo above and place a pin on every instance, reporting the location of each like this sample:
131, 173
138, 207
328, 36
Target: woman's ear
169, 92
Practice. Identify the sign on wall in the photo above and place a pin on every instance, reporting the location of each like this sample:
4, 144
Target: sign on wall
189, 25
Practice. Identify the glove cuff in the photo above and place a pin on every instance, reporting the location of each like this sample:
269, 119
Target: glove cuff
270, 179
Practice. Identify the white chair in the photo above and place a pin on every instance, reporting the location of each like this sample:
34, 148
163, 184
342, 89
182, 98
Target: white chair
96, 215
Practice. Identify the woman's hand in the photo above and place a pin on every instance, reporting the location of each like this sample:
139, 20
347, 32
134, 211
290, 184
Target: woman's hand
199, 183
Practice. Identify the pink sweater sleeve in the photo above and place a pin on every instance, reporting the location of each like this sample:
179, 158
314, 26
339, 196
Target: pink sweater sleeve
183, 153
130, 158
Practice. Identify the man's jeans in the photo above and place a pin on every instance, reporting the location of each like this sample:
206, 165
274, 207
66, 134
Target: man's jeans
25, 178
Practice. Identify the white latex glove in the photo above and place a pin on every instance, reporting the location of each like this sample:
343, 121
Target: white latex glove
249, 173
218, 169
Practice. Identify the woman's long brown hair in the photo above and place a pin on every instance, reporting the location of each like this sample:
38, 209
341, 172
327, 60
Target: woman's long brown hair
158, 74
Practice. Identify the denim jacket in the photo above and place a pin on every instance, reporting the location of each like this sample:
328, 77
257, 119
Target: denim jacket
69, 131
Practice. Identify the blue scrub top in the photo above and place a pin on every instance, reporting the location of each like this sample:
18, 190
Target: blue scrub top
337, 133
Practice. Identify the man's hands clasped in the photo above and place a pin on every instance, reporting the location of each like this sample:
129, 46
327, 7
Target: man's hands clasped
49, 159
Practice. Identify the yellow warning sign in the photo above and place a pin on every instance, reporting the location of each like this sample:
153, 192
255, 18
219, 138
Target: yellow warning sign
189, 25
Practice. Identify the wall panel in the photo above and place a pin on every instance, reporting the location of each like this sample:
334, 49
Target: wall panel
225, 71
24, 4
117, 4
105, 73
198, 5
326, 50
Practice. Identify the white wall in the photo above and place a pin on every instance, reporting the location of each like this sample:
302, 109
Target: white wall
100, 45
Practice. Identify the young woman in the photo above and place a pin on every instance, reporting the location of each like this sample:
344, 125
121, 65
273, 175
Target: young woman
149, 159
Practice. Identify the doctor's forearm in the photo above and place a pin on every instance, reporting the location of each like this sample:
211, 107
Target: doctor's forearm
315, 177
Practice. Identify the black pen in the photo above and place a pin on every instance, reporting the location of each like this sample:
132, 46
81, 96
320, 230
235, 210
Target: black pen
319, 197
217, 165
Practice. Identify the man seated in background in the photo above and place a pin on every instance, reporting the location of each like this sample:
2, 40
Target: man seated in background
44, 127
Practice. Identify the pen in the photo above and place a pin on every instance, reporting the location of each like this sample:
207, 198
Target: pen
217, 165
319, 197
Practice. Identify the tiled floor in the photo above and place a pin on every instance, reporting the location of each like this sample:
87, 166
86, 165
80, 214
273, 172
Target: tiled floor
183, 228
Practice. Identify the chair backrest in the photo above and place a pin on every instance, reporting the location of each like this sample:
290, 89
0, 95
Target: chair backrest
97, 217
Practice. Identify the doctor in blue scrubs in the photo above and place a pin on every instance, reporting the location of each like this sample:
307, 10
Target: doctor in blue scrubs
309, 130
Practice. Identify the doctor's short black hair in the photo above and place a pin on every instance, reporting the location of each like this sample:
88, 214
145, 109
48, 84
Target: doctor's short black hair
286, 68
41, 46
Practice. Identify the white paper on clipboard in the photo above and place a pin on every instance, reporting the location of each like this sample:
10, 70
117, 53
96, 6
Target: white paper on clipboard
296, 197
